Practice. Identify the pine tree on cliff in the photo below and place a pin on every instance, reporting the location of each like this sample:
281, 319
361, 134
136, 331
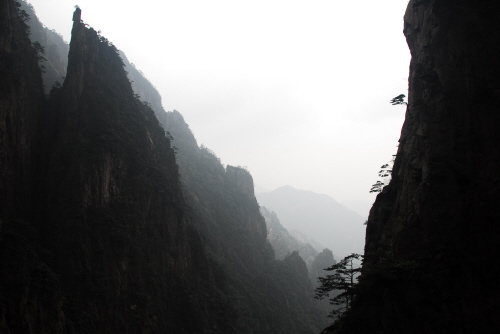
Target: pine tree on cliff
343, 279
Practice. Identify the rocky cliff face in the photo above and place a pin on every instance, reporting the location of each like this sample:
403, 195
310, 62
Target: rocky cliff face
269, 296
283, 242
30, 298
242, 179
112, 201
21, 101
222, 197
433, 234
144, 88
93, 235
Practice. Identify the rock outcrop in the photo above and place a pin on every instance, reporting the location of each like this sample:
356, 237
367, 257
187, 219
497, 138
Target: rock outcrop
433, 236
242, 179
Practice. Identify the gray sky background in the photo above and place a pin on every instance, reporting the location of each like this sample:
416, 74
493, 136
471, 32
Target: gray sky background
297, 91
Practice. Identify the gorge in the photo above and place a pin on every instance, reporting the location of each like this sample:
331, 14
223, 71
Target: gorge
113, 219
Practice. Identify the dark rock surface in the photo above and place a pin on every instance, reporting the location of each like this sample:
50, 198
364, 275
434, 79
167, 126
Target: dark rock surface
93, 236
21, 102
433, 235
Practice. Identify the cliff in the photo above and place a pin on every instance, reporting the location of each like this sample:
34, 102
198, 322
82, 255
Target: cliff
111, 197
92, 218
269, 296
21, 97
30, 298
433, 236
144, 88
283, 242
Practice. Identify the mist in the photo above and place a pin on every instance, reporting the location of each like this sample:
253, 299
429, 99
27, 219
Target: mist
297, 92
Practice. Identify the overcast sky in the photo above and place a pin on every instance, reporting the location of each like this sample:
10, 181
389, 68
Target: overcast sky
297, 91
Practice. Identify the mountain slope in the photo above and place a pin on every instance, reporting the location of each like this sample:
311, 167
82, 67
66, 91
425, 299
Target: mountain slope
270, 296
54, 58
282, 241
30, 298
318, 216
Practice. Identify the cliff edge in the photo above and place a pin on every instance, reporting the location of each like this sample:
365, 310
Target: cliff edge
433, 236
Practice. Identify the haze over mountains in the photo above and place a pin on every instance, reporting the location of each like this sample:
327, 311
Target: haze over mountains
319, 217
114, 220
105, 225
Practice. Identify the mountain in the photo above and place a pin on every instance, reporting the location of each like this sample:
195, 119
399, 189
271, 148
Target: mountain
53, 57
93, 228
433, 238
224, 209
106, 227
301, 237
284, 242
318, 216
143, 88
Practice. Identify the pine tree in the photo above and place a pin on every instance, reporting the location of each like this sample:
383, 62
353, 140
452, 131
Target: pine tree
340, 285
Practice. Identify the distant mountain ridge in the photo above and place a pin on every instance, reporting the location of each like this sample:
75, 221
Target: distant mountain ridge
318, 216
283, 241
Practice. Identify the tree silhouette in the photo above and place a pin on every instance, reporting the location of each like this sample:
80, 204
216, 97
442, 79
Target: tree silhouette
340, 284
385, 173
400, 99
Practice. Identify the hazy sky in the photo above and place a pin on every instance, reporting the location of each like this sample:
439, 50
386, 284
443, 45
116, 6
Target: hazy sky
297, 91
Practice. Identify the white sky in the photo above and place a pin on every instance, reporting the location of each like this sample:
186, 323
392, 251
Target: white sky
297, 91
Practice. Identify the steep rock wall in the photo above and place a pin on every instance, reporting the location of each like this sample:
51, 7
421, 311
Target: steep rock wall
30, 298
269, 296
433, 234
222, 196
144, 88
110, 200
21, 102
